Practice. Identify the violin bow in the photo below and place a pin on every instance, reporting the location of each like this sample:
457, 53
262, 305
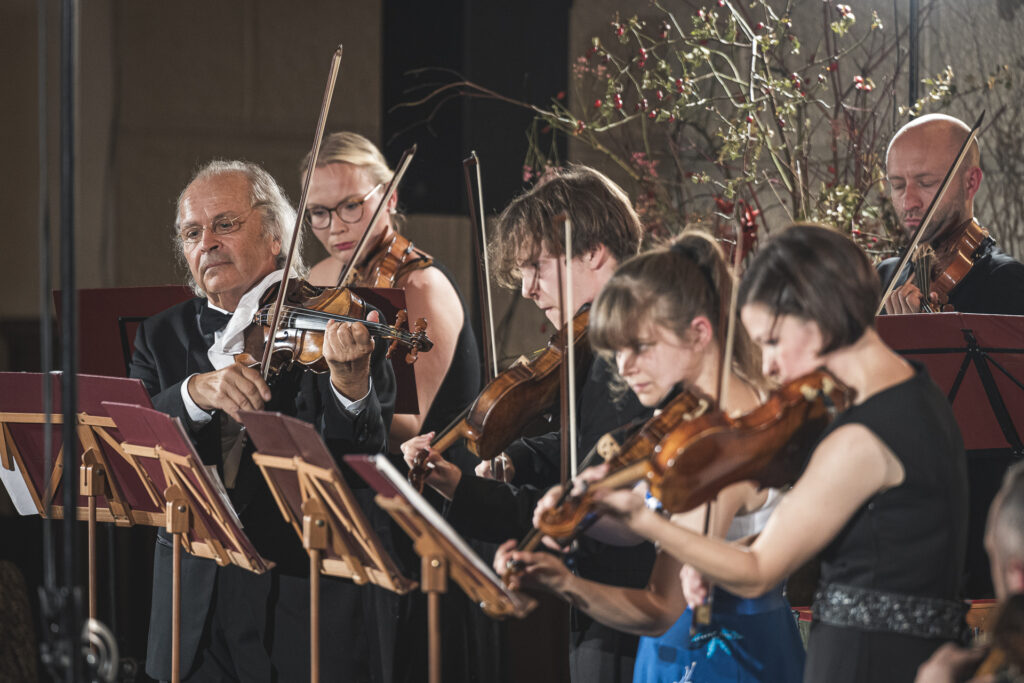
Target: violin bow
483, 273
946, 182
389, 191
325, 106
568, 392
483, 280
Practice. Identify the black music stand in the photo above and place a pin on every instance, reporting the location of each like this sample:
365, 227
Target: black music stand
314, 498
442, 552
978, 361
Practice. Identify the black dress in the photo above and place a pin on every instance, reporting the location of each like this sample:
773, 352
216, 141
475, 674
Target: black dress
472, 642
906, 541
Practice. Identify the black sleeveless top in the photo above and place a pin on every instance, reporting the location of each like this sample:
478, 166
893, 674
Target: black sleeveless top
461, 384
910, 539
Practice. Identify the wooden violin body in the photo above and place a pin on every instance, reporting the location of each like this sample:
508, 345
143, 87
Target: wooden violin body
972, 244
703, 453
515, 397
306, 311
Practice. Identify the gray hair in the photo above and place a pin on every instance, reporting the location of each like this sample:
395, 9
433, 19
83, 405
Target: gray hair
1008, 515
264, 194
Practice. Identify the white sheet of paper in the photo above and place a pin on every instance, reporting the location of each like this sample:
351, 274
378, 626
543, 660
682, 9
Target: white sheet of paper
17, 490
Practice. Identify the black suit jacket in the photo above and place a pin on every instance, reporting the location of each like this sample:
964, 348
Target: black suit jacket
169, 348
489, 510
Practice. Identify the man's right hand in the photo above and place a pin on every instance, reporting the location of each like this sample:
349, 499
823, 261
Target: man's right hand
230, 389
907, 298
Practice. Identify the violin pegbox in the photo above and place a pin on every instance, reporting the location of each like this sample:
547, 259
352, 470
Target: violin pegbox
419, 332
401, 320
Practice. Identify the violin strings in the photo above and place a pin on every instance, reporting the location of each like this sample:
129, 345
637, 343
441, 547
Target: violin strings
380, 328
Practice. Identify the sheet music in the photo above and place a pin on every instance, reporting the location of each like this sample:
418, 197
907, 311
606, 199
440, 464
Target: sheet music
213, 478
425, 509
14, 482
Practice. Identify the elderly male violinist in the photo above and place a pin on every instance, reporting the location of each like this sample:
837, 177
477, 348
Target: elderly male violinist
918, 158
233, 224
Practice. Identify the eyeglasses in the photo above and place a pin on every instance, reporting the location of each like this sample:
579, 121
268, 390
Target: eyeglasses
220, 226
348, 210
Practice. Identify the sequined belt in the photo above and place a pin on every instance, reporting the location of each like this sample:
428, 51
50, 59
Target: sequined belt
873, 610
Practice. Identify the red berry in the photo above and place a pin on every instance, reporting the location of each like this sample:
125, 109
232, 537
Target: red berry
833, 66
597, 103
652, 114
620, 31
750, 119
721, 3
660, 95
760, 26
671, 118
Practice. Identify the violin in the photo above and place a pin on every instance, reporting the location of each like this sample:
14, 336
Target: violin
391, 261
1007, 634
700, 456
641, 442
510, 401
973, 243
304, 316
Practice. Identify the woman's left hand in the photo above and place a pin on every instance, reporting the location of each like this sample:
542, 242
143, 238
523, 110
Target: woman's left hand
539, 570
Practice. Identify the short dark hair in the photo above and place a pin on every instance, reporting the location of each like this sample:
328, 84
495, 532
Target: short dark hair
815, 273
599, 209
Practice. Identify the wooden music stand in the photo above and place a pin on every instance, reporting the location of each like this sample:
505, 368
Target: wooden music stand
197, 512
111, 488
442, 552
314, 498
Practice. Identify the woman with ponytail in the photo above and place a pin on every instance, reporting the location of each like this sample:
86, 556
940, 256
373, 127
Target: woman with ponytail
662, 318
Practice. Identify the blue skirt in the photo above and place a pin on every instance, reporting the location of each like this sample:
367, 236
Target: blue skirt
747, 641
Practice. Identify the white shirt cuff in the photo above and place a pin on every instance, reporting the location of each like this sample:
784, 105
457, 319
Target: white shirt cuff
195, 413
350, 406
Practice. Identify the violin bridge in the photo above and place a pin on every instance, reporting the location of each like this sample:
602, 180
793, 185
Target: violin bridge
608, 447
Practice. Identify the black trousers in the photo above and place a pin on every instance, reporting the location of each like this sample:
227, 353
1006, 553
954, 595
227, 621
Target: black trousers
257, 630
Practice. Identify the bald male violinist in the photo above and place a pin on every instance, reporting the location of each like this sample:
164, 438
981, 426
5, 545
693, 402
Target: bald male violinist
233, 225
918, 158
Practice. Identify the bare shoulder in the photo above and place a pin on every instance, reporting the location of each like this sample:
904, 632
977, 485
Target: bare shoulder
853, 454
325, 273
430, 281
